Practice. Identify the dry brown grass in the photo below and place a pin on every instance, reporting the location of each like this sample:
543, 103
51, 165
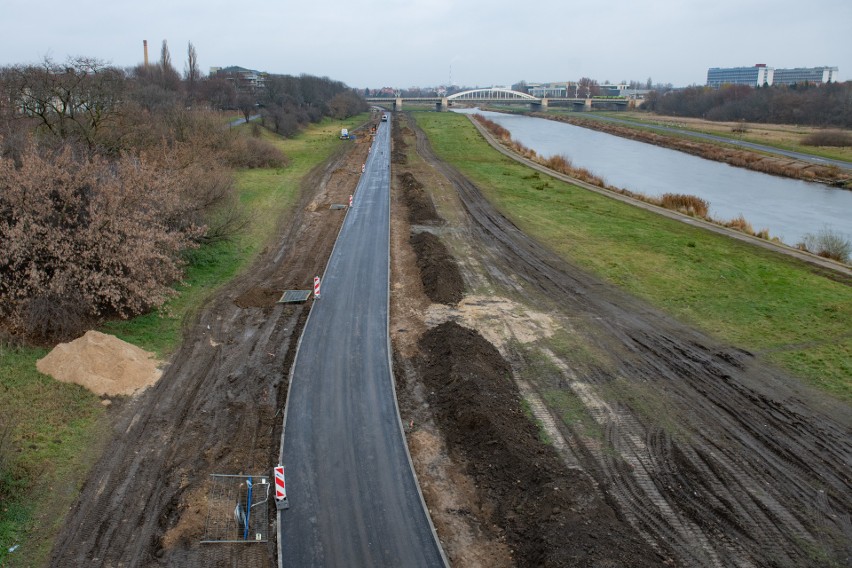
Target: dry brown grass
688, 204
837, 138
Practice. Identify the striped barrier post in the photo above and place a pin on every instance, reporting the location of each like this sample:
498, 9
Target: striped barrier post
350, 201
316, 287
280, 490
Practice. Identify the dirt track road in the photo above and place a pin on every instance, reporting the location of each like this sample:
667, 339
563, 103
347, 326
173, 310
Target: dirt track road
715, 457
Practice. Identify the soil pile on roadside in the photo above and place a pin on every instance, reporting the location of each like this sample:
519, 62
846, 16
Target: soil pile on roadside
398, 155
421, 210
102, 363
552, 516
258, 298
439, 271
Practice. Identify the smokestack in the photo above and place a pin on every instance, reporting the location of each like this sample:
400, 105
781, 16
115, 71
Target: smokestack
145, 47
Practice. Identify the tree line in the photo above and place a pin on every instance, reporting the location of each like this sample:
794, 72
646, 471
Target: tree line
805, 104
110, 177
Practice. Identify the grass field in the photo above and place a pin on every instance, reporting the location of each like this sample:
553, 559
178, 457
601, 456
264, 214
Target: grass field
53, 430
784, 136
756, 299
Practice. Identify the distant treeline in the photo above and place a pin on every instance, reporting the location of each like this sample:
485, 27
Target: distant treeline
806, 104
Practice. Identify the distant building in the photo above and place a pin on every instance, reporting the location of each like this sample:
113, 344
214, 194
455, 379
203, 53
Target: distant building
756, 76
815, 75
556, 90
761, 75
244, 80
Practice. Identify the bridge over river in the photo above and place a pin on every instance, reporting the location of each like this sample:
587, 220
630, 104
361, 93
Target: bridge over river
499, 95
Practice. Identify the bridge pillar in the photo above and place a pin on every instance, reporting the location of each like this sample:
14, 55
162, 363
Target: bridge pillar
540, 106
397, 104
443, 105
588, 104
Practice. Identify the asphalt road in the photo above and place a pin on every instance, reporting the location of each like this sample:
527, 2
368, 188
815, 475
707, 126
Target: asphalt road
735, 142
353, 497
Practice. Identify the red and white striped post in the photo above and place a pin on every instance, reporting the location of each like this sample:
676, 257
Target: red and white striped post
350, 201
280, 490
363, 168
316, 287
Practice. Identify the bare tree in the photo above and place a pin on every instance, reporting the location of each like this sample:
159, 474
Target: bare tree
68, 100
247, 105
191, 73
169, 77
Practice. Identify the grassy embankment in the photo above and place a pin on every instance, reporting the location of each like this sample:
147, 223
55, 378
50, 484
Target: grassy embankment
56, 428
783, 136
753, 298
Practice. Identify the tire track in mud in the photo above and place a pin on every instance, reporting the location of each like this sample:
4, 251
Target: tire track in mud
213, 411
756, 471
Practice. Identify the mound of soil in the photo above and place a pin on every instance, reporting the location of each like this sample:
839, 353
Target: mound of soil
553, 516
439, 271
258, 298
421, 210
398, 155
102, 363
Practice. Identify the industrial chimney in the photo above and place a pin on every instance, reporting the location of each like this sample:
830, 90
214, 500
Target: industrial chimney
145, 47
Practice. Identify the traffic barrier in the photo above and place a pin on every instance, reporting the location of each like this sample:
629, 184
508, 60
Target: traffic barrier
280, 490
316, 287
350, 201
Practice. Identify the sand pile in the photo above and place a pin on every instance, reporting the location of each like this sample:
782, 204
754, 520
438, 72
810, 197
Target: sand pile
102, 363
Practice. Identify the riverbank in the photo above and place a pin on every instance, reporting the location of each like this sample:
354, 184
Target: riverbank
717, 151
759, 300
684, 207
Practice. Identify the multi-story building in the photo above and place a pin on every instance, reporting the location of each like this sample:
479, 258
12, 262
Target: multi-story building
756, 76
817, 75
244, 80
761, 75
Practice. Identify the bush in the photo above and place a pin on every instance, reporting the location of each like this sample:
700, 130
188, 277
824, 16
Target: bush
688, 204
828, 244
84, 237
828, 138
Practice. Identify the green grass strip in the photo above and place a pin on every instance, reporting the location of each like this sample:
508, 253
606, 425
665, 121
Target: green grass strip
753, 298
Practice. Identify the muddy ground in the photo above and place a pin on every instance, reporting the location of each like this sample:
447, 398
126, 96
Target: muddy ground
662, 448
709, 454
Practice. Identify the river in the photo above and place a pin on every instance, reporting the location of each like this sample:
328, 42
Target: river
789, 209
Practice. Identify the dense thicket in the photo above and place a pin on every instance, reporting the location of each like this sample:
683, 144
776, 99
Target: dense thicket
291, 102
108, 176
823, 105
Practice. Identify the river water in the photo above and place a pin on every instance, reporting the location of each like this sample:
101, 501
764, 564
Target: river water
789, 209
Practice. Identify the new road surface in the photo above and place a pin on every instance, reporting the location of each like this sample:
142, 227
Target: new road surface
353, 497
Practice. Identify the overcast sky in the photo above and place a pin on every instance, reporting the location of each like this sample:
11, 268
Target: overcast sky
403, 43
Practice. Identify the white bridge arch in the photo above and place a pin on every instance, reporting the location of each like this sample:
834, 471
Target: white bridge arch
492, 94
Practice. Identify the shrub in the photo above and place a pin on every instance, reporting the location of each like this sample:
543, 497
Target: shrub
84, 237
739, 223
828, 138
828, 243
688, 204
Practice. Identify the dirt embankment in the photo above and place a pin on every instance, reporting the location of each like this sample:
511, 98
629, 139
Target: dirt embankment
552, 516
775, 165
